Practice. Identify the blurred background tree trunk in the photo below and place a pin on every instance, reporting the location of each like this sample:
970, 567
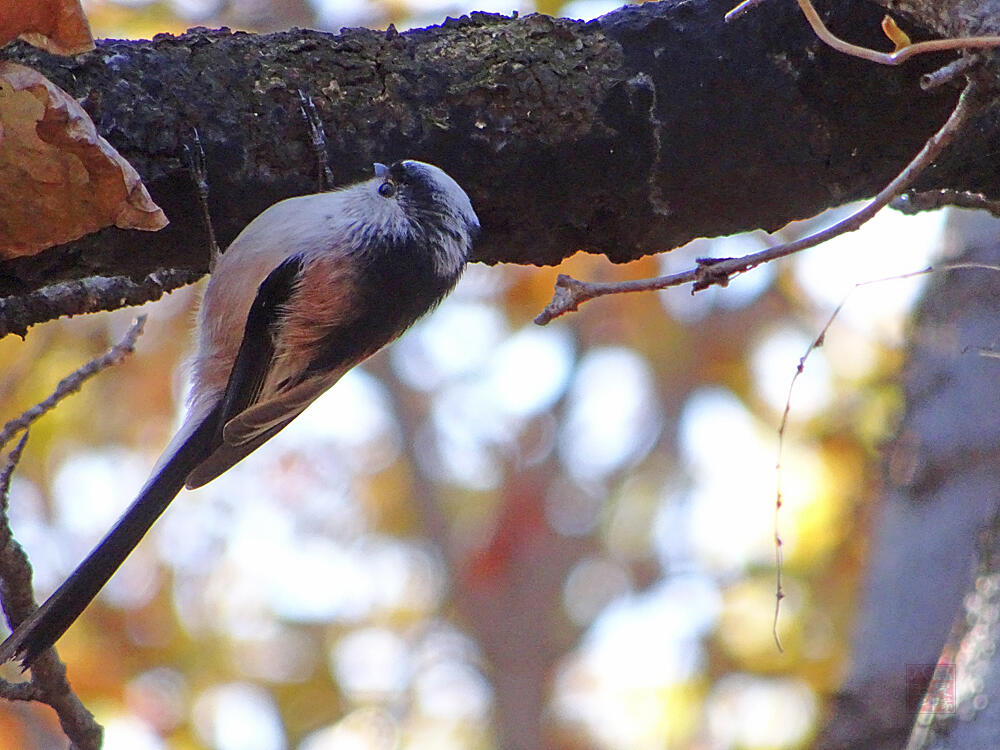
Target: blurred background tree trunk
931, 554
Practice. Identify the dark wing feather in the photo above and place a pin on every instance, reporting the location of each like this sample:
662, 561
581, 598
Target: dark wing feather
226, 456
253, 427
251, 367
256, 353
305, 314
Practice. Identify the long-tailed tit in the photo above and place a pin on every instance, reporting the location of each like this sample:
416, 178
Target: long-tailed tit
310, 288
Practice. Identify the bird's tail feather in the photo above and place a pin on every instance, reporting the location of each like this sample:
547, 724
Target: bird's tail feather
44, 627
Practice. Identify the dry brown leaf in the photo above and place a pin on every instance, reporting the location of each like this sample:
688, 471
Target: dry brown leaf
59, 179
57, 26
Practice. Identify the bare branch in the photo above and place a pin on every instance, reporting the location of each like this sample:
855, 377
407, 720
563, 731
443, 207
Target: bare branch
8, 472
16, 598
78, 724
93, 294
950, 72
914, 203
48, 674
48, 682
72, 383
570, 292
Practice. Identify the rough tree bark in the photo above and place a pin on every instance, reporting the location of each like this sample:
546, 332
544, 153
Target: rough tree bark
628, 135
625, 136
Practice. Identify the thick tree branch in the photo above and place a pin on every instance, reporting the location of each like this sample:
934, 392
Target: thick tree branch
628, 135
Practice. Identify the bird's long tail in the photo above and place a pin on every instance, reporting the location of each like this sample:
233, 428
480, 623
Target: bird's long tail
45, 626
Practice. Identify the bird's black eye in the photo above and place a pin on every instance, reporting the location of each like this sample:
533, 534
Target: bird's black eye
387, 189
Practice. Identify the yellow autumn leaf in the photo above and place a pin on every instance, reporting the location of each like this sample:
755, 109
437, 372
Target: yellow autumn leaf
896, 35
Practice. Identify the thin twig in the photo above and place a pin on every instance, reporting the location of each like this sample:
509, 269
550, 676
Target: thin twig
48, 682
72, 383
570, 293
951, 71
779, 560
92, 294
816, 343
899, 56
197, 166
5, 476
317, 140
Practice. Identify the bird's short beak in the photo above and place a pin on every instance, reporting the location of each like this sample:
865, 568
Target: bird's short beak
381, 170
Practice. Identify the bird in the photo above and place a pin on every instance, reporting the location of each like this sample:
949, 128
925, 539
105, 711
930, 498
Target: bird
310, 288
